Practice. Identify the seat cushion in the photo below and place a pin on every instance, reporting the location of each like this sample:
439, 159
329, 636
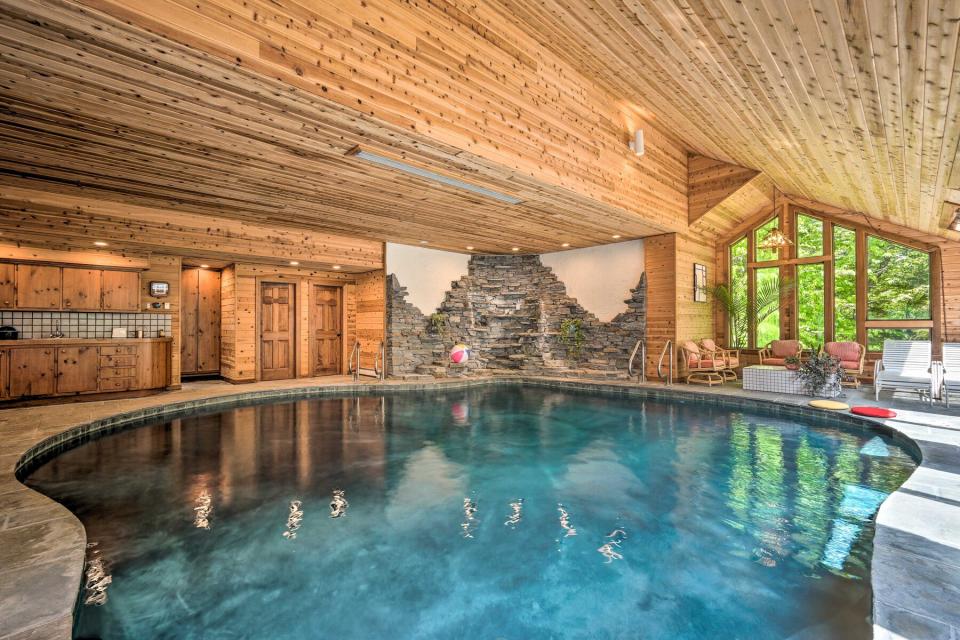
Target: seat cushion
844, 351
775, 361
850, 365
784, 348
832, 405
705, 364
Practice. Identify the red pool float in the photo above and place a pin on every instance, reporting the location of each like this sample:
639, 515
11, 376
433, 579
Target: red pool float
874, 412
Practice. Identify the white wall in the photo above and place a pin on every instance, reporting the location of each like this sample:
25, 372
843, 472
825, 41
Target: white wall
426, 273
600, 278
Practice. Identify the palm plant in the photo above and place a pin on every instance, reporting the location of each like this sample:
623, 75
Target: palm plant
766, 302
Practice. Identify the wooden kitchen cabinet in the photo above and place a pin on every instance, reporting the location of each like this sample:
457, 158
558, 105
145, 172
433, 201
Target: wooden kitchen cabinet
32, 371
8, 289
77, 369
82, 289
121, 291
153, 365
38, 286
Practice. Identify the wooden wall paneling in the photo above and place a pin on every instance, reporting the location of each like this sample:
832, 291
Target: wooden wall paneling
710, 182
82, 289
228, 324
350, 334
38, 286
949, 277
8, 290
371, 315
165, 269
189, 320
295, 107
65, 221
660, 265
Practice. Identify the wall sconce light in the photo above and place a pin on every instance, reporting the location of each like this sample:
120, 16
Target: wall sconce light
955, 224
636, 145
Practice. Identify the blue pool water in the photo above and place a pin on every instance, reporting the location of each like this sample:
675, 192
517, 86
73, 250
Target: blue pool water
498, 512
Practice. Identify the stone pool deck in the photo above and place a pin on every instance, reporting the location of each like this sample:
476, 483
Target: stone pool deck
916, 560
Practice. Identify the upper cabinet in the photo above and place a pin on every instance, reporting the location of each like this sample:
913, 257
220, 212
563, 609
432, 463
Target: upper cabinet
33, 286
81, 289
8, 292
38, 286
121, 290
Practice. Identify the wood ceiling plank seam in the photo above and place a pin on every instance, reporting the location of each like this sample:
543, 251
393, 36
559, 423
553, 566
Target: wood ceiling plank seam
911, 47
855, 27
883, 49
941, 135
657, 31
709, 64
569, 40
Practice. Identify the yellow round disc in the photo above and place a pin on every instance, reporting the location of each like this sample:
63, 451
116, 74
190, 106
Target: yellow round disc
829, 404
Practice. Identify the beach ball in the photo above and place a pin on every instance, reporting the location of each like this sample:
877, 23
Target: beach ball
460, 411
459, 354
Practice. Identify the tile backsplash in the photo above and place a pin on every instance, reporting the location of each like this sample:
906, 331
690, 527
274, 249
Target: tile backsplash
74, 324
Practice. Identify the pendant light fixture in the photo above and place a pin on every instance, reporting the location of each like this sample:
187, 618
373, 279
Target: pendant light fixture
776, 238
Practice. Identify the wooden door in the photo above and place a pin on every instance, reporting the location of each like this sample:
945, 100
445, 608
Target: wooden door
38, 286
32, 372
81, 288
200, 321
121, 291
325, 322
77, 369
8, 292
277, 333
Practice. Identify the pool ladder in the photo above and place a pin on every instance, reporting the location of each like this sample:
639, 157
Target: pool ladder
355, 368
641, 348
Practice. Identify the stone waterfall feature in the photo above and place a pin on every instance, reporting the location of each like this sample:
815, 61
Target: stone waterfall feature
509, 310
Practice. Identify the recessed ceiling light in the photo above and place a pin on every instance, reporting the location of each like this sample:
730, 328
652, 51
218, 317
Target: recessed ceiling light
615, 236
469, 248
336, 267
204, 266
514, 248
294, 263
565, 245
424, 242
99, 243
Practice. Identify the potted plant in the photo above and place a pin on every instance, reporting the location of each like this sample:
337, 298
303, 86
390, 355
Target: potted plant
820, 375
792, 363
438, 321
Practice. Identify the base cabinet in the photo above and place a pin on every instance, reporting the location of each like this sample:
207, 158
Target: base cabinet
33, 372
29, 372
77, 369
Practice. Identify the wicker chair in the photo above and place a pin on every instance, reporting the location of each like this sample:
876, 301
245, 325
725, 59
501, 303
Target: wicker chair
702, 367
851, 355
777, 352
729, 357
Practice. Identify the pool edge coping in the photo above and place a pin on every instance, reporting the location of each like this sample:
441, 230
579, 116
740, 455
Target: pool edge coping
78, 433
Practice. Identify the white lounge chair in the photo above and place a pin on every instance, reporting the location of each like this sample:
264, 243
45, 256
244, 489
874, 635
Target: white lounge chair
906, 365
951, 370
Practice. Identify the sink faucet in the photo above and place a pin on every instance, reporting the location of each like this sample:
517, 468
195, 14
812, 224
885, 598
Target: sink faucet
57, 333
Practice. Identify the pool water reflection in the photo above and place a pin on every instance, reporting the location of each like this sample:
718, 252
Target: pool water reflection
505, 512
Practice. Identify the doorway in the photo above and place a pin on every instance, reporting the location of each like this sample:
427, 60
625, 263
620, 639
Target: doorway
277, 330
200, 322
326, 330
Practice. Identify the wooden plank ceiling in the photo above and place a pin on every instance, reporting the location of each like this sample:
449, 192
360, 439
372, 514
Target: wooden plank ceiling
855, 104
244, 109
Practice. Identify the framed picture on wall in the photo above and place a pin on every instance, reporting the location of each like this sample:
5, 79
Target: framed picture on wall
699, 282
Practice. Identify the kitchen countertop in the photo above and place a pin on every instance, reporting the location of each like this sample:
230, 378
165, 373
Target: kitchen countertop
43, 342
